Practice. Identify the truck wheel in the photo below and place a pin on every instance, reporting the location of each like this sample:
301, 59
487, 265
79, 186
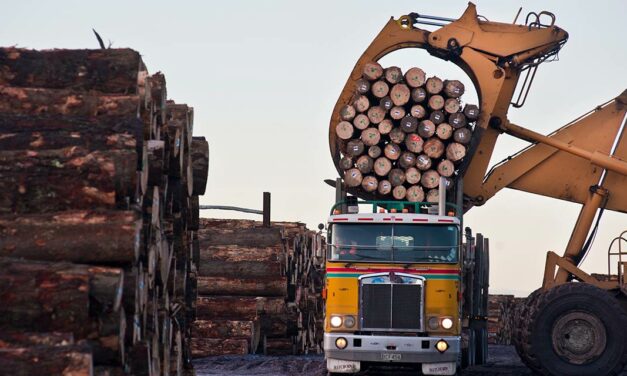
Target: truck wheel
522, 330
577, 329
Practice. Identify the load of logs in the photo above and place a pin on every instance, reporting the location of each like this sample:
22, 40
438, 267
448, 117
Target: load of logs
100, 177
502, 318
259, 289
402, 132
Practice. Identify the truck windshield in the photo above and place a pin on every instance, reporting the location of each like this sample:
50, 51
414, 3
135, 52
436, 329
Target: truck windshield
394, 243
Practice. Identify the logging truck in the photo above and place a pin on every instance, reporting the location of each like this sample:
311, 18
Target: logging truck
404, 285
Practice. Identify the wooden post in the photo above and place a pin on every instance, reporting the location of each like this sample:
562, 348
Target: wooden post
266, 209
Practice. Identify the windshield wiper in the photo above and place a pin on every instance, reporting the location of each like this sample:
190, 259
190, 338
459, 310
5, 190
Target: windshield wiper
371, 257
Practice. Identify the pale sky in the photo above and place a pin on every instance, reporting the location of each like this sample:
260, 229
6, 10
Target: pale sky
263, 77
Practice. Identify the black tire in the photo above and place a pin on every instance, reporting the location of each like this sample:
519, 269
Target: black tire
562, 323
523, 330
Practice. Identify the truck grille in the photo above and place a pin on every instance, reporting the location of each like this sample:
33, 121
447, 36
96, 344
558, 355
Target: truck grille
391, 306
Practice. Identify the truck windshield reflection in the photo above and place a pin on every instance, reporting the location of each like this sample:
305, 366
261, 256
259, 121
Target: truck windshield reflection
394, 243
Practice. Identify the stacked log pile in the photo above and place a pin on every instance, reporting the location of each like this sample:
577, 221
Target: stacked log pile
502, 317
259, 289
100, 178
401, 133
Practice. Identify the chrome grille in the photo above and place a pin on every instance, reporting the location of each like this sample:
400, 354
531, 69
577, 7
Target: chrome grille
391, 302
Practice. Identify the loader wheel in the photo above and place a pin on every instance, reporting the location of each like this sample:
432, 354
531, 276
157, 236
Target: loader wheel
577, 329
522, 330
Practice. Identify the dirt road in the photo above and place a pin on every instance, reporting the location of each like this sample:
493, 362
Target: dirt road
502, 360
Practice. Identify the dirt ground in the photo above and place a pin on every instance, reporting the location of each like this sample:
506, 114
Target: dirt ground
502, 360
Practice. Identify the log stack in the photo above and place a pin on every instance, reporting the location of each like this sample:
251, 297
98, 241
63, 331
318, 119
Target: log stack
502, 318
100, 178
259, 289
401, 133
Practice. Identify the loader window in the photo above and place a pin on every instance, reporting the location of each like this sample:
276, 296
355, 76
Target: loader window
394, 243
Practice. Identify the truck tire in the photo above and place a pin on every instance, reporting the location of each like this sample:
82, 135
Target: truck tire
577, 329
522, 330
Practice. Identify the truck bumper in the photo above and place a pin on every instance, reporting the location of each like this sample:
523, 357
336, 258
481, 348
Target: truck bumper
391, 349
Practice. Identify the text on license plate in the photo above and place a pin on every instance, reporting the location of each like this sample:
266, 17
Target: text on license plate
390, 356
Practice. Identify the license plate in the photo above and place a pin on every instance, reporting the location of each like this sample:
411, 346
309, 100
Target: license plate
343, 366
438, 368
390, 356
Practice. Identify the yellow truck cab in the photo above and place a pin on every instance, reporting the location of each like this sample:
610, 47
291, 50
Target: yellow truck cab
393, 290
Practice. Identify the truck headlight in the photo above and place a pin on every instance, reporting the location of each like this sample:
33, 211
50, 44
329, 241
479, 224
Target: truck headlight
336, 321
349, 321
341, 343
434, 323
447, 323
441, 346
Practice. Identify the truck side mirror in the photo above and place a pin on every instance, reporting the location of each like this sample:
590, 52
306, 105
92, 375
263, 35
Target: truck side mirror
320, 226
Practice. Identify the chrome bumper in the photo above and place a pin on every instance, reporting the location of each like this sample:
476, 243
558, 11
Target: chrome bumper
387, 349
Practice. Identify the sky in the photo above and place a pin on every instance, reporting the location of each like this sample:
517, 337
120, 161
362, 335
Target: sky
263, 77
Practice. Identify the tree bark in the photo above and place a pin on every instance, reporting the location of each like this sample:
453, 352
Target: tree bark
437, 117
112, 71
241, 261
200, 165
37, 101
386, 103
71, 360
45, 131
18, 339
244, 237
267, 285
203, 347
76, 177
471, 112
102, 237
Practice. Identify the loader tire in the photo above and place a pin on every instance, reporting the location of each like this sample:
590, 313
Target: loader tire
577, 329
522, 330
